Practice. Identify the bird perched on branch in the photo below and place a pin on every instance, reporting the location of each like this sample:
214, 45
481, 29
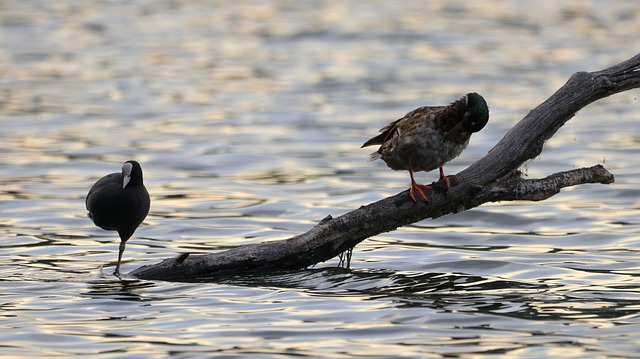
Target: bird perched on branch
119, 202
428, 137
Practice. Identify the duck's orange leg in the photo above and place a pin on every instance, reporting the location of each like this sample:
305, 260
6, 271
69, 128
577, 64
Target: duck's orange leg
448, 179
417, 188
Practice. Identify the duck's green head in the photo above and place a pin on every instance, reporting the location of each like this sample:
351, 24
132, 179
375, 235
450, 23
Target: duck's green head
477, 114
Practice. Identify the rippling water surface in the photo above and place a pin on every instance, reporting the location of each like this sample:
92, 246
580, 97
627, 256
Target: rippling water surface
248, 119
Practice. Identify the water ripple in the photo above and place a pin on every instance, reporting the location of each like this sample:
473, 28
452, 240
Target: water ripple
248, 120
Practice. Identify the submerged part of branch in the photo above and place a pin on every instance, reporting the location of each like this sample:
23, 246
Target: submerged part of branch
492, 178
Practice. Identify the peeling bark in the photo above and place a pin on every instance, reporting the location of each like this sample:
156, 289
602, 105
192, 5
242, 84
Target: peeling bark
492, 178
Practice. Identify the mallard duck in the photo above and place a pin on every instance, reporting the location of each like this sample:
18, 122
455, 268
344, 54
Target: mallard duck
428, 137
119, 202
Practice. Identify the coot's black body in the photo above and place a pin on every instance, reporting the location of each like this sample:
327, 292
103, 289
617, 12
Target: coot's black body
119, 202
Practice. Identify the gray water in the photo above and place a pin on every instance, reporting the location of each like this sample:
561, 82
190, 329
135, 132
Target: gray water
247, 117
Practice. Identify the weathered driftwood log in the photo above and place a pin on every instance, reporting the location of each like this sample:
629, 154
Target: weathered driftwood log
495, 177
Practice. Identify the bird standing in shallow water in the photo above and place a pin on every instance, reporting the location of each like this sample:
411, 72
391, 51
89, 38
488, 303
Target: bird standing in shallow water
428, 137
119, 202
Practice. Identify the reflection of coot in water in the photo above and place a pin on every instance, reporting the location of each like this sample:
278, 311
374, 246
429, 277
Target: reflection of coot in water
119, 202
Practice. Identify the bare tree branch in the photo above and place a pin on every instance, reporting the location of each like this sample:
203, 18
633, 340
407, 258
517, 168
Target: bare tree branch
492, 178
525, 140
515, 188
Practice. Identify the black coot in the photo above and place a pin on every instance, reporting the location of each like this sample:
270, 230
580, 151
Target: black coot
119, 202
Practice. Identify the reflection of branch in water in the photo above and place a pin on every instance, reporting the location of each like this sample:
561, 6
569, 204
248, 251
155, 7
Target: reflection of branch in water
120, 289
492, 178
452, 292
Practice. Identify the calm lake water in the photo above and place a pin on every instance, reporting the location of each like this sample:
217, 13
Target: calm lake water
247, 117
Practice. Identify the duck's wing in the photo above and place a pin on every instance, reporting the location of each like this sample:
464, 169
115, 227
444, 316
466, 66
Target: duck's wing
385, 134
412, 119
